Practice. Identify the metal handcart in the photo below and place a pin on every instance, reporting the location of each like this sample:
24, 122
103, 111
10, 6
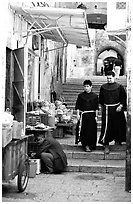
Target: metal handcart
15, 162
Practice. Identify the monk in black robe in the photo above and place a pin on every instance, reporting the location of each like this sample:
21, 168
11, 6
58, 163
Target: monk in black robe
87, 110
112, 98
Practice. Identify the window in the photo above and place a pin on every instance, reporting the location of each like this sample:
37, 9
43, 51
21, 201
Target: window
120, 5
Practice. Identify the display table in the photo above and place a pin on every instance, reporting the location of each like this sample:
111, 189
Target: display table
62, 128
46, 131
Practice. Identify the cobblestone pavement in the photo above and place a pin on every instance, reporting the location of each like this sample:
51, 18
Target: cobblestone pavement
69, 187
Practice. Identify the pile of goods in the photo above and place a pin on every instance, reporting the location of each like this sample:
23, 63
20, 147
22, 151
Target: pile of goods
62, 114
11, 129
49, 114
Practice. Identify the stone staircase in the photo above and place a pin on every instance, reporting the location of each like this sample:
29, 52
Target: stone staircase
96, 161
73, 87
93, 162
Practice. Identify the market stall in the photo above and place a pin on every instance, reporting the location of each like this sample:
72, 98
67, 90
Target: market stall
53, 119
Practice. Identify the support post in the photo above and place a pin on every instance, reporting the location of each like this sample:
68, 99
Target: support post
128, 139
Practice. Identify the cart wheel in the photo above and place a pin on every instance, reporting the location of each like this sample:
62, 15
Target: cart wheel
23, 175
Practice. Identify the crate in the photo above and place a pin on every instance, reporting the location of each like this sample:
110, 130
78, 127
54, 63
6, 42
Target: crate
32, 119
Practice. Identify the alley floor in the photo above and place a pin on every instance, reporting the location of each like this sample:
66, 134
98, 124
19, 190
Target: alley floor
70, 187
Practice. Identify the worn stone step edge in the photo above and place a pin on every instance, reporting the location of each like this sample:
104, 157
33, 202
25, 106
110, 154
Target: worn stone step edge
100, 155
79, 147
76, 165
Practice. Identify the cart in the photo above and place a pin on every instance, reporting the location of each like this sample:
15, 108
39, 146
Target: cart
15, 162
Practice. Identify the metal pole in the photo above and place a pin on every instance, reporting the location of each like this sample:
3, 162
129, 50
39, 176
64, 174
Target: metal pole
128, 138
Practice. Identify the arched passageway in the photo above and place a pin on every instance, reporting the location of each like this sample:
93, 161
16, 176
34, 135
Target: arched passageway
104, 60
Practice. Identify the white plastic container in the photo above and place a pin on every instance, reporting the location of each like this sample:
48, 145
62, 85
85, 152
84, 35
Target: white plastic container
33, 168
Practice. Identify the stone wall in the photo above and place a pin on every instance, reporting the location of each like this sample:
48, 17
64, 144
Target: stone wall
102, 43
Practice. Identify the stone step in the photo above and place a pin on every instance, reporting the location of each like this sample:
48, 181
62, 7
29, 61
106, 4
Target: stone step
95, 166
95, 79
78, 147
68, 143
96, 155
73, 87
93, 162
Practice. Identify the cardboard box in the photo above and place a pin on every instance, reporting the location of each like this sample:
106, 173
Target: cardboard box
6, 136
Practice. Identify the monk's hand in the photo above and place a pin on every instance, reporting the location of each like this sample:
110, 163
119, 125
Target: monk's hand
119, 108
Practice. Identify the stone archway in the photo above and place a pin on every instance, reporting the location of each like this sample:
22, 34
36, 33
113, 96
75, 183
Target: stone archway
120, 52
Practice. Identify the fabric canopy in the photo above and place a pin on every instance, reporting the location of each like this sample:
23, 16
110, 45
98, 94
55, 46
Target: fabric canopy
57, 24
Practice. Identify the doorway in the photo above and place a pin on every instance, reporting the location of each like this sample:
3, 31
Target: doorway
105, 61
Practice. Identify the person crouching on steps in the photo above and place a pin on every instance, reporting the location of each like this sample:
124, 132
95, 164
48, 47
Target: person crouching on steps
52, 156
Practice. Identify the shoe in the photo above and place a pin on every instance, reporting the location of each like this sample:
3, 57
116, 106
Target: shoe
87, 149
76, 142
106, 150
101, 142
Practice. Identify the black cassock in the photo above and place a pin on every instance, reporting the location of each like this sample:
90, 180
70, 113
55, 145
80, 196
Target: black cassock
88, 134
113, 123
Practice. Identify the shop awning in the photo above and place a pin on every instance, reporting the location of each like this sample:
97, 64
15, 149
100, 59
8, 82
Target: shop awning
57, 24
118, 36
